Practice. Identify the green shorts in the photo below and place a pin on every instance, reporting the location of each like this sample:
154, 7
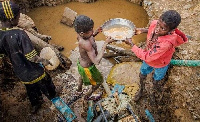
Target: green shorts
90, 75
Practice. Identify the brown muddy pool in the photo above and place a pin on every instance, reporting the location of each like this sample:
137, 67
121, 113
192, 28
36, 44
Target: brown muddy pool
47, 19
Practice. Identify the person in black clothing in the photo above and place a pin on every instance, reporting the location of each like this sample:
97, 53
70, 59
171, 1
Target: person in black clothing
27, 65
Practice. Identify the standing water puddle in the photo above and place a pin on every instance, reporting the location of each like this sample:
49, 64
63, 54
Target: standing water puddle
47, 19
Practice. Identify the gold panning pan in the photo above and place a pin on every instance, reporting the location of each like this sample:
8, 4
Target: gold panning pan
118, 28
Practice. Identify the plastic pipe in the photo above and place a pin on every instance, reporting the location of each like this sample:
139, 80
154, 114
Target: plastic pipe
90, 113
194, 63
149, 116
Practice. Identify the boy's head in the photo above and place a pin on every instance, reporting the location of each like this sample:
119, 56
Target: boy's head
84, 26
171, 18
9, 12
168, 21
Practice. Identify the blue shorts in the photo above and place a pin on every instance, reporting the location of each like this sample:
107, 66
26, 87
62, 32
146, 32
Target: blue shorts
159, 73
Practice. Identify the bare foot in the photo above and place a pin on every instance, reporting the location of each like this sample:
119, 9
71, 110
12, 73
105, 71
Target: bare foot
95, 97
88, 94
78, 93
93, 89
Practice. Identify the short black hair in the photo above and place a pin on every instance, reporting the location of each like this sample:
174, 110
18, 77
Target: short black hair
83, 24
13, 10
171, 18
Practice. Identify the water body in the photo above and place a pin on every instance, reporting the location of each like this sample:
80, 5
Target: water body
47, 19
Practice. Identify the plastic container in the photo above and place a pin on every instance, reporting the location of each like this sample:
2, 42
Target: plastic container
49, 54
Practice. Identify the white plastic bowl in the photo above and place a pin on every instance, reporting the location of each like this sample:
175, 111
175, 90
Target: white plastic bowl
49, 54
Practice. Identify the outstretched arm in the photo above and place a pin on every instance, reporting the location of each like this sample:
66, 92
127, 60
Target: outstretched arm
97, 31
129, 42
91, 51
141, 30
152, 54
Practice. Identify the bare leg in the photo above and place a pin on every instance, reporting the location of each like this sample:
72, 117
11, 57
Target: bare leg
156, 94
139, 93
94, 88
158, 88
107, 89
80, 85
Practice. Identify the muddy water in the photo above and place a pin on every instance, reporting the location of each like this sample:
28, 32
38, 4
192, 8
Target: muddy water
47, 19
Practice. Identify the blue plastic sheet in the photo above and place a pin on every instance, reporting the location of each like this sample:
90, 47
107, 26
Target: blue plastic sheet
64, 109
118, 88
149, 116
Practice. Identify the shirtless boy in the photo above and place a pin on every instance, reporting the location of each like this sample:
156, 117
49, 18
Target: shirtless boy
89, 57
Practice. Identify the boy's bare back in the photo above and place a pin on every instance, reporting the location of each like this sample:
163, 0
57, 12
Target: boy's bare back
87, 47
87, 50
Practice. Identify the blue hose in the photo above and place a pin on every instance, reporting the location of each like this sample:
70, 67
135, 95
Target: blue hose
149, 116
185, 62
90, 113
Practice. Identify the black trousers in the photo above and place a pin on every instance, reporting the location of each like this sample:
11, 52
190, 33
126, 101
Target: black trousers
45, 86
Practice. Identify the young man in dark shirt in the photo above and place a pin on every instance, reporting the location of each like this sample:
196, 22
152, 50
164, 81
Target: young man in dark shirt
27, 65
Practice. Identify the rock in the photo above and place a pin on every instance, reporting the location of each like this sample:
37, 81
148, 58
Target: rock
68, 17
86, 1
187, 6
197, 7
136, 1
